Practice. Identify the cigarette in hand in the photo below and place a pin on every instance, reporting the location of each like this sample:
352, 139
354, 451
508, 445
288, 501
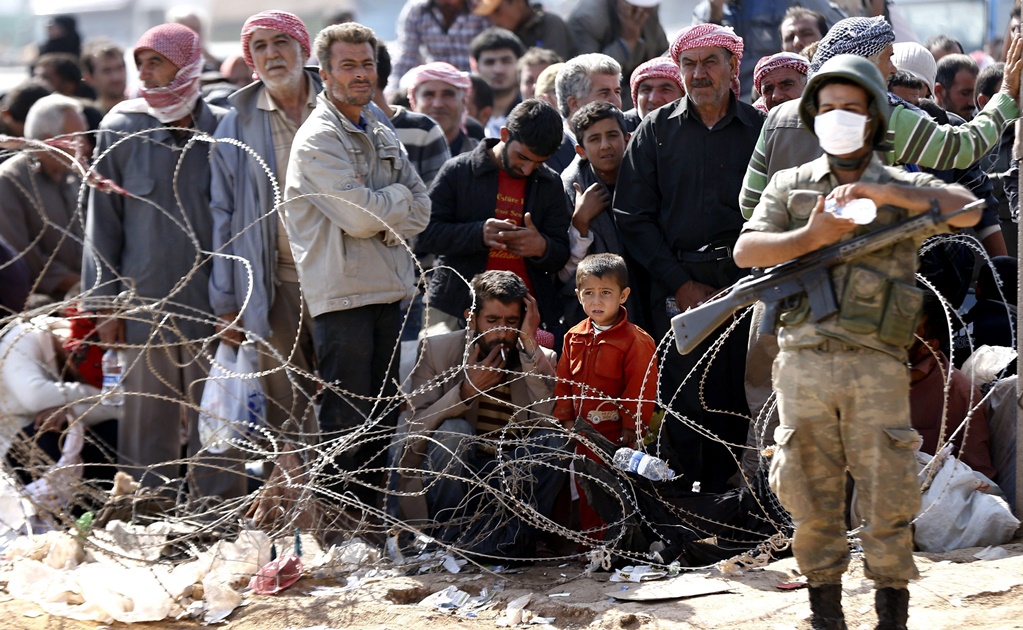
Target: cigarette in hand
504, 357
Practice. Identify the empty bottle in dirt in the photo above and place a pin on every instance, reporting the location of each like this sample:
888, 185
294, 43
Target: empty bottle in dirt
653, 468
113, 367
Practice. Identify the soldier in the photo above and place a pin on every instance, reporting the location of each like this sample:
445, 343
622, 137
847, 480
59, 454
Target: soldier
826, 370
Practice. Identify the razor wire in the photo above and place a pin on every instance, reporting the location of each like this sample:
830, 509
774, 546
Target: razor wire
294, 484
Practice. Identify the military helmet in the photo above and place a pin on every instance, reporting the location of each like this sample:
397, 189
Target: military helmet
859, 71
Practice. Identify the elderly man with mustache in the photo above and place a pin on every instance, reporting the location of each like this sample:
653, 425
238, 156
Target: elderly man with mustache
265, 116
676, 206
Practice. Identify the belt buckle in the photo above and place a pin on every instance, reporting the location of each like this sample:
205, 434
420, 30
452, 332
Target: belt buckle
727, 249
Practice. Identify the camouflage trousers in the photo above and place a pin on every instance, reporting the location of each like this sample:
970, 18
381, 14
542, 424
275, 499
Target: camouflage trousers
846, 410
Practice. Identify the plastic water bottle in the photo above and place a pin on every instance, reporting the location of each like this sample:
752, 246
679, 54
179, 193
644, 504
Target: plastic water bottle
631, 460
113, 394
861, 211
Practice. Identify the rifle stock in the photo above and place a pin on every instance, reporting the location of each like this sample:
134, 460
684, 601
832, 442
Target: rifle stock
694, 325
808, 274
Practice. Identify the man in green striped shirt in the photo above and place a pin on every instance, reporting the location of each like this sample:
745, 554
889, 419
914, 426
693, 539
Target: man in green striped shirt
916, 138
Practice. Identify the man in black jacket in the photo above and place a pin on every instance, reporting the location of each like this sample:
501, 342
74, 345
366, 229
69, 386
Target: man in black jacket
499, 208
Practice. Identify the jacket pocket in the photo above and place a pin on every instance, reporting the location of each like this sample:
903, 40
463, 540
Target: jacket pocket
862, 301
901, 314
610, 362
139, 184
801, 204
392, 156
783, 435
903, 439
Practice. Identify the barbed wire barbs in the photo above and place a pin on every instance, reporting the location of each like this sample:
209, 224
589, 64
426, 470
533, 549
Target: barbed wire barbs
293, 473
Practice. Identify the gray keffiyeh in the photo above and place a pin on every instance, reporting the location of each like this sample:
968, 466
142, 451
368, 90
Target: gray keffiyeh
859, 36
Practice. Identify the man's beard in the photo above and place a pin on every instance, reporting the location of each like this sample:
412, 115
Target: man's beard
511, 357
292, 79
506, 164
347, 98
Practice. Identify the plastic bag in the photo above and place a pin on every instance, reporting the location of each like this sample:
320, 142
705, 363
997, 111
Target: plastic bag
959, 510
233, 404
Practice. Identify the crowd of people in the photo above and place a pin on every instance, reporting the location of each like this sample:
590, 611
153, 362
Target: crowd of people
535, 198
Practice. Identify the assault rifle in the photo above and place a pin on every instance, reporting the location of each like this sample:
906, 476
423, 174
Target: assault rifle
809, 274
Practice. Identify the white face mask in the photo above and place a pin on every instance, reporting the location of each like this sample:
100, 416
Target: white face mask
840, 132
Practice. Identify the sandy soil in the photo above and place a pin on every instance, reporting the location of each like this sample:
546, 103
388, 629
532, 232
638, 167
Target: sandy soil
955, 590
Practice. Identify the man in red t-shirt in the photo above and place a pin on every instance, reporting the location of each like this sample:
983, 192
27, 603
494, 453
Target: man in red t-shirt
499, 208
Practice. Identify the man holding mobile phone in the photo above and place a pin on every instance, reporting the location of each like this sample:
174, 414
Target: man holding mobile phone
499, 208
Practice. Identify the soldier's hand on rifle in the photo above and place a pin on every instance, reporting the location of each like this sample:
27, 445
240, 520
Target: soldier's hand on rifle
824, 228
692, 294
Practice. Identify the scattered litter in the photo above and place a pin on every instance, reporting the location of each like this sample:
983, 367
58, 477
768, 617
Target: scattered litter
276, 575
542, 621
453, 565
791, 586
690, 585
956, 601
448, 599
513, 615
32, 614
327, 591
644, 573
991, 553
562, 566
559, 595
220, 600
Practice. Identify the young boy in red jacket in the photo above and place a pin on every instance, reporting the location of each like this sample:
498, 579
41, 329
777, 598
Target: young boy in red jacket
607, 373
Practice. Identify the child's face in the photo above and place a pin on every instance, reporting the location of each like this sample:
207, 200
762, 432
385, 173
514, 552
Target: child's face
604, 144
601, 298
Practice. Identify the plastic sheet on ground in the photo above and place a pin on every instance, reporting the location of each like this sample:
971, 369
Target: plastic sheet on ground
104, 588
644, 573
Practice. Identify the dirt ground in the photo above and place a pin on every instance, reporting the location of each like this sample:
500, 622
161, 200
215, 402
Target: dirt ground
956, 590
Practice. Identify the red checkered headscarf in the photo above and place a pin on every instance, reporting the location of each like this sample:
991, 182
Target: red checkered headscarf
282, 21
656, 68
435, 71
176, 42
770, 63
703, 35
180, 45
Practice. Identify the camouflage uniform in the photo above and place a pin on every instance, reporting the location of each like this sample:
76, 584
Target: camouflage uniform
843, 392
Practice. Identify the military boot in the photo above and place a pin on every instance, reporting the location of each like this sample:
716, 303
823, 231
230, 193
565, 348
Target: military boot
892, 608
826, 607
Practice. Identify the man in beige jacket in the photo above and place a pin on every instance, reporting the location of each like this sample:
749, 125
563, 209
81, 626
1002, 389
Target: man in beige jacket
351, 202
480, 424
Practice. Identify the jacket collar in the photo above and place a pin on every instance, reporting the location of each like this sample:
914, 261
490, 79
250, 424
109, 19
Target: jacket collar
482, 164
820, 169
734, 111
245, 99
623, 318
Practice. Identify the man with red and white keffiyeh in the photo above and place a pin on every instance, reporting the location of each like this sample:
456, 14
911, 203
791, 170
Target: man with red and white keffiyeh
676, 207
779, 78
146, 248
254, 282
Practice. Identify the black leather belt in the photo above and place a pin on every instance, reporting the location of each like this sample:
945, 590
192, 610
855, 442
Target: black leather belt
720, 250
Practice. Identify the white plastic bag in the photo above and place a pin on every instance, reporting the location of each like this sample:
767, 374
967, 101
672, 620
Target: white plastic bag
233, 404
959, 510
